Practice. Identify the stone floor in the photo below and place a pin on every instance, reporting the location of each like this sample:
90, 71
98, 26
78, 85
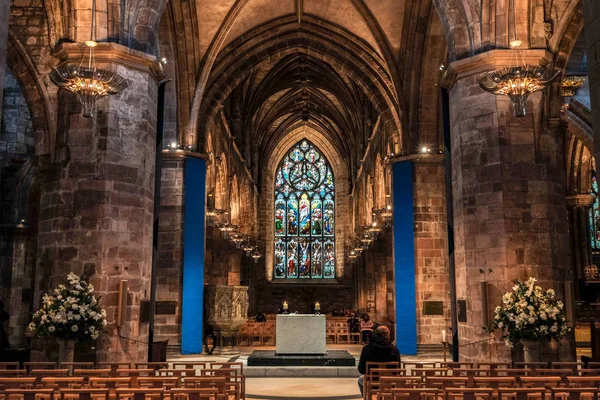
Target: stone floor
302, 383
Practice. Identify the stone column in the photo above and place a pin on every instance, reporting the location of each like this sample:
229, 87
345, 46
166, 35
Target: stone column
508, 183
96, 207
591, 16
579, 209
4, 14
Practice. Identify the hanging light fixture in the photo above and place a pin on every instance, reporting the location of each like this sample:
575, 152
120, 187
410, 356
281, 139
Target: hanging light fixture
520, 81
237, 239
247, 247
86, 80
256, 255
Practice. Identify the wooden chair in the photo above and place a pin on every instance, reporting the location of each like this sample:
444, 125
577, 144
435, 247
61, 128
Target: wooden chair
29, 394
114, 366
82, 394
330, 332
17, 383
342, 336
372, 366
204, 382
268, 336
236, 365
453, 365
470, 372
63, 382
179, 372
414, 394
41, 373
587, 371
167, 382
531, 365
139, 393
494, 382
5, 373
539, 381
468, 393
493, 366
233, 380
415, 365
443, 382
152, 365
193, 364
593, 365
574, 393
583, 381
521, 393
9, 365
194, 394
562, 372
573, 366
71, 366
375, 374
516, 372
87, 373
29, 365
387, 383
134, 374
430, 372
110, 383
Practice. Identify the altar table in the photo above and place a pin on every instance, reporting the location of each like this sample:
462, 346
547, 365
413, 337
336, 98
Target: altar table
300, 334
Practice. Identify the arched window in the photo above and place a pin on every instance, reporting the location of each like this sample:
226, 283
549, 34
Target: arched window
595, 216
304, 215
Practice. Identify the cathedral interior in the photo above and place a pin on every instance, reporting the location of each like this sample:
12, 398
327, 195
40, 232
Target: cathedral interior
315, 121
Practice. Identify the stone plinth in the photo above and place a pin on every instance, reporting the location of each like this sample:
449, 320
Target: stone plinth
300, 334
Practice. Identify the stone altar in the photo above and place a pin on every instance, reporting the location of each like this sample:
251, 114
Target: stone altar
300, 334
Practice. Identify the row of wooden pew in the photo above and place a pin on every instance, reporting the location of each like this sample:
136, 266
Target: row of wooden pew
382, 378
426, 393
196, 380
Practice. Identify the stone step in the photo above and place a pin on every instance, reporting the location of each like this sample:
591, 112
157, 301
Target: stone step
285, 372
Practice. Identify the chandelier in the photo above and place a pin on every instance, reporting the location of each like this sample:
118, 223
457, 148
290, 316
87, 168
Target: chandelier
570, 84
247, 247
518, 83
256, 255
86, 80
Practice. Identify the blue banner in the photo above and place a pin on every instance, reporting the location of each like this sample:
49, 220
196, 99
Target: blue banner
404, 257
193, 256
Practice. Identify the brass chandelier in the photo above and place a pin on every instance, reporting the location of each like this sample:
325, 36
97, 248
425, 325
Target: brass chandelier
520, 81
86, 80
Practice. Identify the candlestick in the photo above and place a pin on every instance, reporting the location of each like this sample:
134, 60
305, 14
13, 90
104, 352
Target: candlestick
443, 335
317, 306
285, 305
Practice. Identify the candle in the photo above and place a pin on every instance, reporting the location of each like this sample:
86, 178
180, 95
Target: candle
285, 305
443, 335
317, 306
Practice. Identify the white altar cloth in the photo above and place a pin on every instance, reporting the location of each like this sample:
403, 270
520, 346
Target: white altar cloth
300, 334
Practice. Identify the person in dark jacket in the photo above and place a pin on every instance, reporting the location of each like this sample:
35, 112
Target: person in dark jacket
380, 349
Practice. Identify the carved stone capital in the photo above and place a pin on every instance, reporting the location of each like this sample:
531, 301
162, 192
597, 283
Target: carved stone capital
111, 54
492, 60
581, 200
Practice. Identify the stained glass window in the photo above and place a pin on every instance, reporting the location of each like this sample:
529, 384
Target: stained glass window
595, 216
304, 215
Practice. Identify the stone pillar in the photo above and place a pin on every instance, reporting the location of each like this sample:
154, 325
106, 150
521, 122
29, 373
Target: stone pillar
4, 14
96, 213
591, 16
431, 249
579, 228
508, 183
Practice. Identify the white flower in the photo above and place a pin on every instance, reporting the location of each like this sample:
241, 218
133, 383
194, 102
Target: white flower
500, 324
75, 306
51, 328
74, 328
554, 328
531, 320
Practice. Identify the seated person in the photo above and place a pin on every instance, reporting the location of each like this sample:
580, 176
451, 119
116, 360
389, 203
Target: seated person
261, 317
353, 324
380, 349
366, 328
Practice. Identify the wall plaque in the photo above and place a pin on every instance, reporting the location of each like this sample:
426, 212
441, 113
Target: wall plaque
433, 308
144, 312
462, 310
166, 307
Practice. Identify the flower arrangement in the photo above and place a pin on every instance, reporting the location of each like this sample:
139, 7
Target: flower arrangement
71, 312
529, 313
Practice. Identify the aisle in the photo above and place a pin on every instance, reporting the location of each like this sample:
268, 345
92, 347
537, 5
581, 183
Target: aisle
302, 388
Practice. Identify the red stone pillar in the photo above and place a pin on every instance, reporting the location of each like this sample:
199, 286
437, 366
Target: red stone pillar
508, 183
97, 206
